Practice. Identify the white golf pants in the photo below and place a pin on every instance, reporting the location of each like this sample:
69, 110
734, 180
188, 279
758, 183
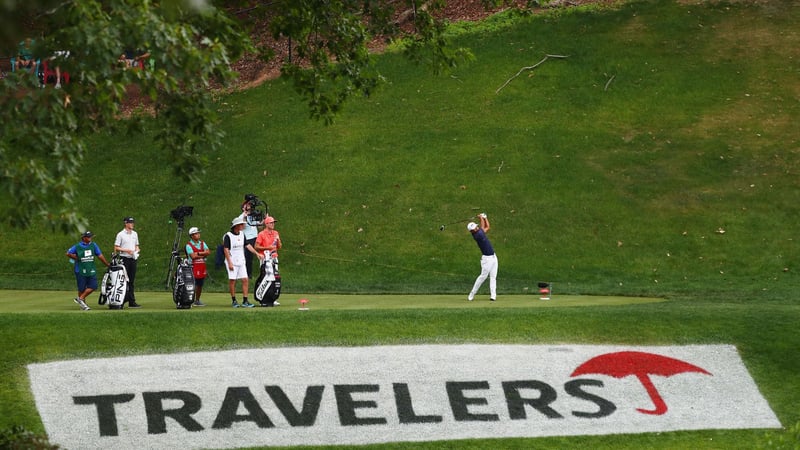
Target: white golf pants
488, 269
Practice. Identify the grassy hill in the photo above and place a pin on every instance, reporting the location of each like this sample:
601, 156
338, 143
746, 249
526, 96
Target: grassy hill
659, 156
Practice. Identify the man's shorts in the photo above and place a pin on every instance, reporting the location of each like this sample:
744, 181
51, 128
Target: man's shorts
238, 272
86, 282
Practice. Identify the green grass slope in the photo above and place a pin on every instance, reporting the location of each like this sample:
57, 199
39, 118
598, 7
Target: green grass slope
660, 158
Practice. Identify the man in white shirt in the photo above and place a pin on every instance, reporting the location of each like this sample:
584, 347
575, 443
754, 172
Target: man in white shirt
127, 245
235, 246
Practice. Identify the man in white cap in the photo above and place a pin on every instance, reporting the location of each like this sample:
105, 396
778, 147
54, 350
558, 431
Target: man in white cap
197, 251
488, 258
234, 246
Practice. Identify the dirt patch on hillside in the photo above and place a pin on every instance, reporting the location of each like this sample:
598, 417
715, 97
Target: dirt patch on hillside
253, 71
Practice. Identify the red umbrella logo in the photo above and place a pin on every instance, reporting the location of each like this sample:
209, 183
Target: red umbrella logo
642, 365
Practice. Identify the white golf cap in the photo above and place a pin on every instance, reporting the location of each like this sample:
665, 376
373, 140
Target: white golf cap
472, 226
193, 230
237, 221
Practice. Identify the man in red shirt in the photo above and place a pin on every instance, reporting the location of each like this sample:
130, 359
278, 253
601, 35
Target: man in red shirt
268, 239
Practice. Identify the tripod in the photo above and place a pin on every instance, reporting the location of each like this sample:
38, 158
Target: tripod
174, 258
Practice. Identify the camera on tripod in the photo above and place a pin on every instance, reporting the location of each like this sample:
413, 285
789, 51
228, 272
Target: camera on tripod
183, 291
258, 209
181, 212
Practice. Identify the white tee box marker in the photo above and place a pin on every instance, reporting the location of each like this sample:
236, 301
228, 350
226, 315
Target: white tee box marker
362, 395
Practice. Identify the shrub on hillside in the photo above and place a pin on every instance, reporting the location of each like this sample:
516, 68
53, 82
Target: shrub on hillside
18, 438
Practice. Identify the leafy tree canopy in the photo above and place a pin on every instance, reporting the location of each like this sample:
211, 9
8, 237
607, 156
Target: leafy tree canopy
191, 44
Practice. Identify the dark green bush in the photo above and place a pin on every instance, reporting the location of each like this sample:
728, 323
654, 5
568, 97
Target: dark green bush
18, 438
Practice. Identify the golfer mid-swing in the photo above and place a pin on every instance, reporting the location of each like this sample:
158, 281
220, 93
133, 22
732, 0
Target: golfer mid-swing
488, 258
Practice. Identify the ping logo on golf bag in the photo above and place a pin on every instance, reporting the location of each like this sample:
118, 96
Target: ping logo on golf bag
114, 285
268, 285
118, 289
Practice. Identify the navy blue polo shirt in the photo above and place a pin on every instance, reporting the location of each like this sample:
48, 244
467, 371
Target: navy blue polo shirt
483, 242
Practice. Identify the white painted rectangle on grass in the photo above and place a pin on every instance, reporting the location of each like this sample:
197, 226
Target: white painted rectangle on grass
362, 395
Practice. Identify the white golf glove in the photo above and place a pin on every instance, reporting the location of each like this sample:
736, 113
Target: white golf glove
482, 215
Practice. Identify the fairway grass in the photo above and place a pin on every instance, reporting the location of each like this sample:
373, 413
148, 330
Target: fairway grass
28, 301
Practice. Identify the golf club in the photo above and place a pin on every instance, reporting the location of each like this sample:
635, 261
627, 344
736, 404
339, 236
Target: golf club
441, 228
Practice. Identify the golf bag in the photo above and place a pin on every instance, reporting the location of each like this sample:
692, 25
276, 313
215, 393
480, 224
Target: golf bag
114, 285
268, 284
183, 288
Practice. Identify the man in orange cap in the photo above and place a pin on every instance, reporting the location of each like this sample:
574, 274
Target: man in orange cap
268, 239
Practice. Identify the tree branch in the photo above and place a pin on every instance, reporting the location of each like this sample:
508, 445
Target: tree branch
546, 57
609, 82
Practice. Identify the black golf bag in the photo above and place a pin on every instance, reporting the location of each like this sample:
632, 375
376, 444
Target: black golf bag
114, 285
268, 284
183, 288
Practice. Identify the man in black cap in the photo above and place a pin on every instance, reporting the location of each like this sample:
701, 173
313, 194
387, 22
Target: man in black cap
83, 255
127, 245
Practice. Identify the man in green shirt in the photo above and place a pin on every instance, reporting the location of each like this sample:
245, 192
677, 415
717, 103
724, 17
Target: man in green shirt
83, 255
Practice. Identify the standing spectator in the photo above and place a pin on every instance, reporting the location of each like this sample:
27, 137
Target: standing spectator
250, 232
134, 58
61, 54
234, 246
83, 255
488, 258
197, 251
127, 245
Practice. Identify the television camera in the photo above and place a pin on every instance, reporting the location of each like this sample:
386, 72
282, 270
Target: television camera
258, 208
180, 213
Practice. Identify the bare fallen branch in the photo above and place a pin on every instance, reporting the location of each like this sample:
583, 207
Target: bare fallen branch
546, 57
609, 82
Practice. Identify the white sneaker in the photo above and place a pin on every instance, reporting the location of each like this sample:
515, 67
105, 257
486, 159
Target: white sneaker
58, 85
277, 303
470, 297
82, 304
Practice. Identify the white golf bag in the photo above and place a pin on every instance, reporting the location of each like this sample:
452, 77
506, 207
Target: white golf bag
183, 288
268, 284
114, 285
